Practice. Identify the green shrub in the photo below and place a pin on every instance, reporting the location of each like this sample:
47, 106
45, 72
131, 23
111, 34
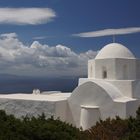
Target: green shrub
33, 128
40, 128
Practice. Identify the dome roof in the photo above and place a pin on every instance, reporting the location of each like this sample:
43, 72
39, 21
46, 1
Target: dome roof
114, 50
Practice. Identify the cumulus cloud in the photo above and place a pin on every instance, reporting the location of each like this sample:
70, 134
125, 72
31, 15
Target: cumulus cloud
22, 16
108, 32
40, 59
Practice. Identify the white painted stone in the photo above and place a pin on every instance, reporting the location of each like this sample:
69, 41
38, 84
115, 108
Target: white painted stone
89, 116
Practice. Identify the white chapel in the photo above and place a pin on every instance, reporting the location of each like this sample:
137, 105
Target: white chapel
111, 89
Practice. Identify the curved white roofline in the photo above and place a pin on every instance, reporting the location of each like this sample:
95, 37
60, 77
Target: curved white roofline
111, 90
115, 50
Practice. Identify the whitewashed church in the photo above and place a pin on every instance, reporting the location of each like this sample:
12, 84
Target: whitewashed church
111, 89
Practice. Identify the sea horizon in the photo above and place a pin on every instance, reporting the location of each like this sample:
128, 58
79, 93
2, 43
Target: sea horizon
25, 84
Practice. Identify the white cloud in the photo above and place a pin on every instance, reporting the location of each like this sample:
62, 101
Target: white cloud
39, 59
108, 32
9, 35
22, 16
39, 37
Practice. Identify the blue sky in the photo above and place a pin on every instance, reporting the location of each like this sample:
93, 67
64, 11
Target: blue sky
73, 17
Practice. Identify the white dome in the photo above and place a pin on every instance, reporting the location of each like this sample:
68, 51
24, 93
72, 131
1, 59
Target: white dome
114, 50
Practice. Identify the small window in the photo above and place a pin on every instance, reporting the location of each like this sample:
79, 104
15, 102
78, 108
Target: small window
104, 73
125, 72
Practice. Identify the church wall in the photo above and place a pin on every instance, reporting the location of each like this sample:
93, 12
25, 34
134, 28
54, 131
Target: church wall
131, 108
138, 68
91, 68
91, 94
21, 108
125, 86
61, 110
89, 116
102, 65
69, 117
126, 109
125, 69
136, 89
120, 108
83, 80
114, 68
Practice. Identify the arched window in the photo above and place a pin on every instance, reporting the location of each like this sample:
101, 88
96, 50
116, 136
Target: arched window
104, 73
